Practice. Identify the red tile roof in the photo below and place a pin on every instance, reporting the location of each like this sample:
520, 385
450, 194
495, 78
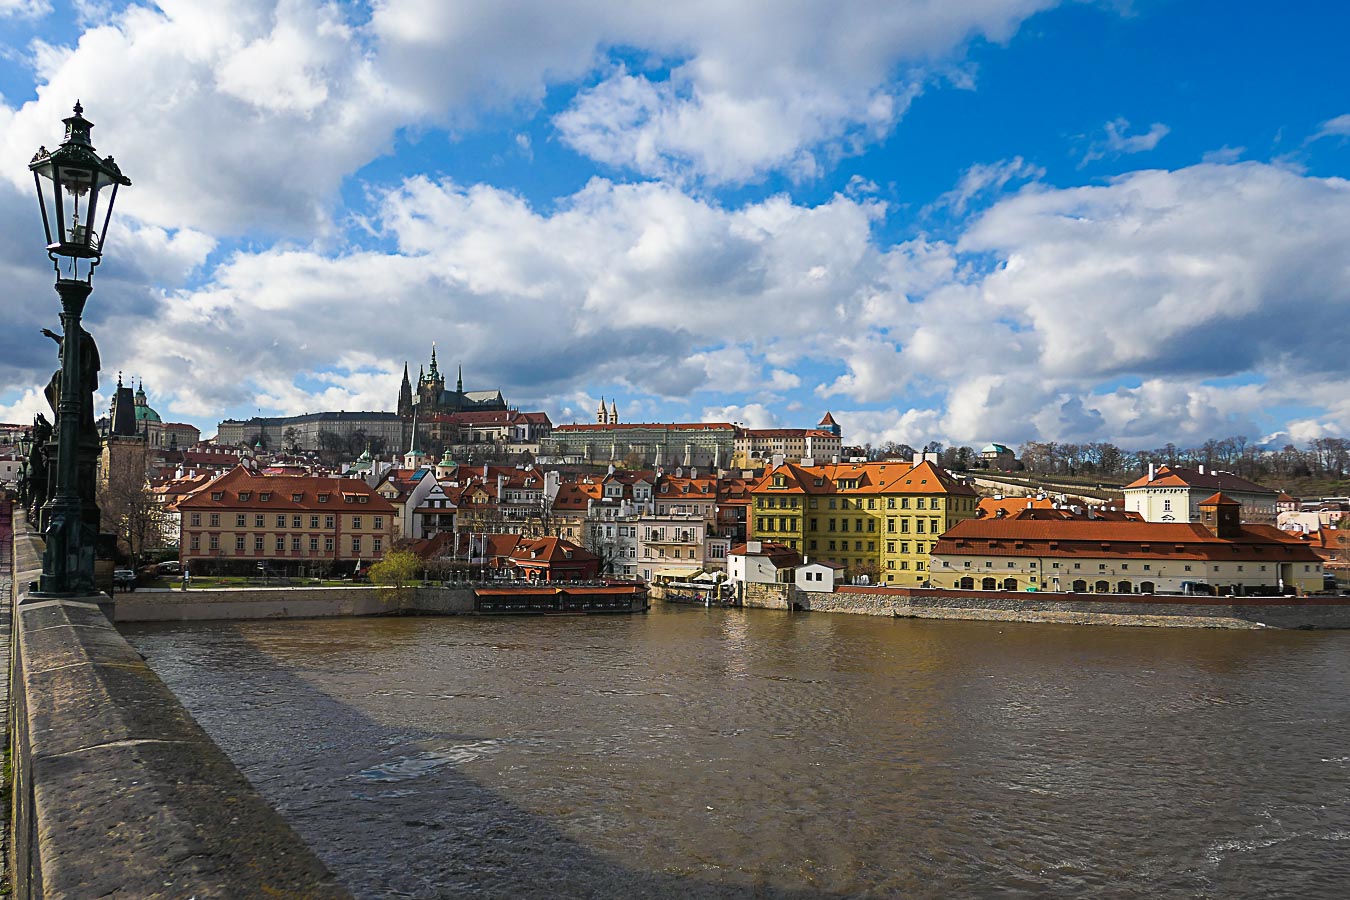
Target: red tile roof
1178, 476
1148, 540
781, 555
241, 489
669, 426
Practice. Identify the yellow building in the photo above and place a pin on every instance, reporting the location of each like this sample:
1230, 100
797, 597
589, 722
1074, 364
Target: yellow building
879, 519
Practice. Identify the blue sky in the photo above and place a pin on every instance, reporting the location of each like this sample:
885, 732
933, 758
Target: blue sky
965, 222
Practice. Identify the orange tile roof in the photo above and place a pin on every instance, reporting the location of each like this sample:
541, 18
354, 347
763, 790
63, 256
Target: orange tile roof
883, 477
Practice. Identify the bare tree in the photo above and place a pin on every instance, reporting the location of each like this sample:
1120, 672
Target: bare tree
132, 512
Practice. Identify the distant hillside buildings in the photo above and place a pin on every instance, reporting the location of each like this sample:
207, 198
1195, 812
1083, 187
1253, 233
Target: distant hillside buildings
457, 420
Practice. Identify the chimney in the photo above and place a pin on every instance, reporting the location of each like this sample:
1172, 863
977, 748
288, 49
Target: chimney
754, 546
1151, 472
1201, 468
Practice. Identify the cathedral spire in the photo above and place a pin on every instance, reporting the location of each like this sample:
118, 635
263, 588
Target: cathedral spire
435, 373
405, 394
601, 416
459, 382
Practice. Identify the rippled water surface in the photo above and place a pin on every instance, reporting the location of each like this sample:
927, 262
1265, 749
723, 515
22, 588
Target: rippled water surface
753, 753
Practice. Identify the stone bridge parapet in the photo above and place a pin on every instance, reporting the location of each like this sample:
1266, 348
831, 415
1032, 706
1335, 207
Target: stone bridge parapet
117, 791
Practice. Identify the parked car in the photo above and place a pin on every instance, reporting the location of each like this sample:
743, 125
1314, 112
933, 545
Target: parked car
124, 579
172, 567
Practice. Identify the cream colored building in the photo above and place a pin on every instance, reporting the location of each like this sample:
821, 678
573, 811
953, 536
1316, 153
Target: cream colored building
1217, 553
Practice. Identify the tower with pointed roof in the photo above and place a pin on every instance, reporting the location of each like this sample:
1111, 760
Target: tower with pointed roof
431, 408
405, 401
122, 458
414, 458
602, 414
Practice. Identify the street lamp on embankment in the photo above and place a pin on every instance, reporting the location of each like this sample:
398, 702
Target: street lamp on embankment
71, 181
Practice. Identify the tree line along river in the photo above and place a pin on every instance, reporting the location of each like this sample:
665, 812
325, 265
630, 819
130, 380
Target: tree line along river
691, 752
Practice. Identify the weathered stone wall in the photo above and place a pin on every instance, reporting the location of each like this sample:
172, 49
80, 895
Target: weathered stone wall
1194, 612
769, 596
117, 791
1190, 612
200, 604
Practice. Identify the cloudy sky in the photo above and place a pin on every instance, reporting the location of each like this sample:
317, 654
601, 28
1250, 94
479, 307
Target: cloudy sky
953, 220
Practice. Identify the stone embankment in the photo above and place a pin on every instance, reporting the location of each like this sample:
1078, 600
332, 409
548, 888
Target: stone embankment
116, 790
198, 604
1075, 609
319, 602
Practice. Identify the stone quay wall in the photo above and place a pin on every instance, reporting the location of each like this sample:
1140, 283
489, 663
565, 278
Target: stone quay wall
1076, 609
116, 790
202, 604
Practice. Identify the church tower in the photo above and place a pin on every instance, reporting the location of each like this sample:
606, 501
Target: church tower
602, 415
613, 413
434, 376
122, 460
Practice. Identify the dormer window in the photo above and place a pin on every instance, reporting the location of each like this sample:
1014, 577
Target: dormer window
244, 496
265, 496
297, 497
217, 495
323, 498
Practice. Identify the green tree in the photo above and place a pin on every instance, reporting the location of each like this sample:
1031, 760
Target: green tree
398, 570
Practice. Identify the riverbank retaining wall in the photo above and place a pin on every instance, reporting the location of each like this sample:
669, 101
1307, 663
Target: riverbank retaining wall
116, 790
201, 604
1078, 609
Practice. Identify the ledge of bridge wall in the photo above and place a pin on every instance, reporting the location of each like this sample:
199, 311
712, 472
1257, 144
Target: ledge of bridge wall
1071, 609
117, 791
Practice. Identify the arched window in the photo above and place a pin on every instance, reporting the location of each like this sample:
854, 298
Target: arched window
989, 584
1080, 586
966, 584
1102, 587
1010, 584
1123, 587
1146, 587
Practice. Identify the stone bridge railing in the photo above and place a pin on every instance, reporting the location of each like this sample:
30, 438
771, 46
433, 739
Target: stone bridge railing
116, 790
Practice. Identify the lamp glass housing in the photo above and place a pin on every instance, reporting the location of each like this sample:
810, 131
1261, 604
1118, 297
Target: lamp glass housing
70, 183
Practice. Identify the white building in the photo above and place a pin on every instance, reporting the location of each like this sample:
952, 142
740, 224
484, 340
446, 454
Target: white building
1174, 494
820, 577
762, 562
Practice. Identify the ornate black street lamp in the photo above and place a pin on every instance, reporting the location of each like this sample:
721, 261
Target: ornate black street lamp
70, 181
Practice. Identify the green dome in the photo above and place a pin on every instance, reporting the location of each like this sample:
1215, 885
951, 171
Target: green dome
146, 414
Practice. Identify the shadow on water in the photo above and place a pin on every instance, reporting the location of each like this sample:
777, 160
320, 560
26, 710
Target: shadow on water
385, 803
748, 753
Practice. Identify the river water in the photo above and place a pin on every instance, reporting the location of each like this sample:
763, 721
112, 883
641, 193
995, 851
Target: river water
753, 753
